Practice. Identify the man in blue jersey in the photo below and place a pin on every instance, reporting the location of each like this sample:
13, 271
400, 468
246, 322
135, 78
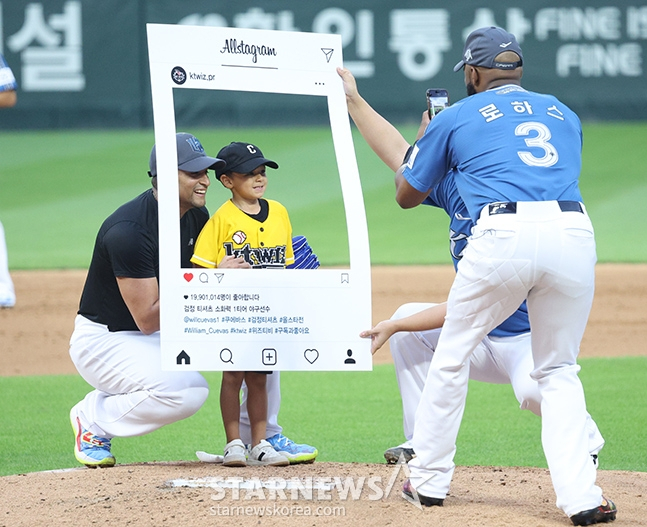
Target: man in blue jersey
504, 356
515, 158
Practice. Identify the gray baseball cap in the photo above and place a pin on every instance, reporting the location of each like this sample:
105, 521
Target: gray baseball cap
485, 44
190, 156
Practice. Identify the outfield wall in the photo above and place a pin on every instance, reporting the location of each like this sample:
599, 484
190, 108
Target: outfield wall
83, 63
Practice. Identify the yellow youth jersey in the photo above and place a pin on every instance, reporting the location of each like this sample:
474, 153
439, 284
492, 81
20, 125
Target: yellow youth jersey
264, 240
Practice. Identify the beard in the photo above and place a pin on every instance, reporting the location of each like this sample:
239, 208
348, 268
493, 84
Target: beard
471, 90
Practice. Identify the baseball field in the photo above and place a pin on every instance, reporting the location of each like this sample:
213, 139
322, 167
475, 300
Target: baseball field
58, 187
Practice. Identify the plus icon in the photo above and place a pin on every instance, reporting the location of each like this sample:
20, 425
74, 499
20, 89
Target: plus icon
269, 356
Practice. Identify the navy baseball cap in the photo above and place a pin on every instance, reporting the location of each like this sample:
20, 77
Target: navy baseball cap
190, 156
485, 44
242, 158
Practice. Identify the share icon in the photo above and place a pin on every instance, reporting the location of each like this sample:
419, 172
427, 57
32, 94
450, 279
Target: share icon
328, 52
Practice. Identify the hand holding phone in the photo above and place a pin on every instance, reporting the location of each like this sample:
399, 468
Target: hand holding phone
437, 100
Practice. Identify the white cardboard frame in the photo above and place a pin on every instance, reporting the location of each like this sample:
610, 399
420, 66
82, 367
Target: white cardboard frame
260, 320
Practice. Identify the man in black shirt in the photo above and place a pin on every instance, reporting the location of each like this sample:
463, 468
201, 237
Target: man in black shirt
116, 345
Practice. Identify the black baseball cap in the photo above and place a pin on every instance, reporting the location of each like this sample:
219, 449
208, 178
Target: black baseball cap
190, 156
485, 44
242, 158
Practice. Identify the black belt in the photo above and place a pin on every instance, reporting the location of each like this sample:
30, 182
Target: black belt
510, 207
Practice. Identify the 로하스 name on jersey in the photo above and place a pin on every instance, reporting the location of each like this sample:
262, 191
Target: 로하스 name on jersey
233, 47
258, 258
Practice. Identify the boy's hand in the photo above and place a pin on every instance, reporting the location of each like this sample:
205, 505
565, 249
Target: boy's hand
379, 334
233, 262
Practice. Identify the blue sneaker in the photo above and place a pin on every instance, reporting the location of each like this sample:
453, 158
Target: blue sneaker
90, 450
295, 452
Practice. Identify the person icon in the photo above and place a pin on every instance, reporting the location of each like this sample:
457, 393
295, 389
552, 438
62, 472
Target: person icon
350, 359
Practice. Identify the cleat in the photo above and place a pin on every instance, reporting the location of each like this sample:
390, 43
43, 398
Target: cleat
410, 494
90, 450
604, 513
295, 452
399, 454
264, 454
235, 454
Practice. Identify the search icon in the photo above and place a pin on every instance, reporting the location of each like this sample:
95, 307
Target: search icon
226, 355
204, 278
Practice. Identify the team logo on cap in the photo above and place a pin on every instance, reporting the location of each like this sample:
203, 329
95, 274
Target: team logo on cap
468, 55
178, 75
195, 145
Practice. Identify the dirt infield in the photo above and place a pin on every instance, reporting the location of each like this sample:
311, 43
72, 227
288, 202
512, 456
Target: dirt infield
34, 339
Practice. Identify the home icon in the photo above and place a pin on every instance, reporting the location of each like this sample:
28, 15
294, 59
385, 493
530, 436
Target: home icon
183, 358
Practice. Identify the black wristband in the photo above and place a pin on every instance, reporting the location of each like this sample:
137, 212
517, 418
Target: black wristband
408, 154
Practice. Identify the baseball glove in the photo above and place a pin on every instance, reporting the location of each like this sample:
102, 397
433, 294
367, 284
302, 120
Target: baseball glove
304, 258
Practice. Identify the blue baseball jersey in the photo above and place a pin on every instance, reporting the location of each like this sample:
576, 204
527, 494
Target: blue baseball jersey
505, 144
7, 79
445, 196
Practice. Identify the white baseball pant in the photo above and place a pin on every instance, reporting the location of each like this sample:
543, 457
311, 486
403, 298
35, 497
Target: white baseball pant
132, 395
547, 256
496, 360
7, 292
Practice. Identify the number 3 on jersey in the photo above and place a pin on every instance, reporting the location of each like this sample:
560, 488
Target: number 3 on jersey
540, 140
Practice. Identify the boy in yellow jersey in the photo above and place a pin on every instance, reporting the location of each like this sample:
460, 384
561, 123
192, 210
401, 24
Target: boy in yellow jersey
247, 231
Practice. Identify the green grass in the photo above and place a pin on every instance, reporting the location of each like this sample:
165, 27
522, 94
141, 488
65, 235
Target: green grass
614, 188
58, 186
349, 416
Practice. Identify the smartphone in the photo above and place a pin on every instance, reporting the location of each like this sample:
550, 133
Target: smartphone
437, 100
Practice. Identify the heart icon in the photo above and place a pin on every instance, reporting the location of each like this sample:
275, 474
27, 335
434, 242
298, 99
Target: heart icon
186, 297
311, 355
188, 276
